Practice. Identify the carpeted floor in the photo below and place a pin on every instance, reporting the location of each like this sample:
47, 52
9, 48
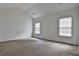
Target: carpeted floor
36, 47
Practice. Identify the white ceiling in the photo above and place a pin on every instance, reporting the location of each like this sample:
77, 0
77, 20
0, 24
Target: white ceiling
40, 9
8, 5
19, 5
47, 8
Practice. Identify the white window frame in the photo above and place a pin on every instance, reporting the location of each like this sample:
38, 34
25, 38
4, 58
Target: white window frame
65, 29
37, 28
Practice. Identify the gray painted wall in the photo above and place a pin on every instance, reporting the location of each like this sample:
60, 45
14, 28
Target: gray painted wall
14, 24
49, 26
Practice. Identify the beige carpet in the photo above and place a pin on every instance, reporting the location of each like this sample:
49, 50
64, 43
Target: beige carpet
35, 47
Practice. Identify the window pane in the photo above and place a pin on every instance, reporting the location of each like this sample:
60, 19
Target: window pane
66, 22
65, 26
65, 31
37, 28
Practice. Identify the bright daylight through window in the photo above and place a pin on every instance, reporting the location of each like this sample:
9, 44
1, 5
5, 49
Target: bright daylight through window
37, 28
65, 26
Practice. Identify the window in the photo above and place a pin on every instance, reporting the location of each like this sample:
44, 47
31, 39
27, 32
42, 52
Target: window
37, 28
65, 26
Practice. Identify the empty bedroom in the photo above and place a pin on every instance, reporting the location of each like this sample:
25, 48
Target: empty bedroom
39, 29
